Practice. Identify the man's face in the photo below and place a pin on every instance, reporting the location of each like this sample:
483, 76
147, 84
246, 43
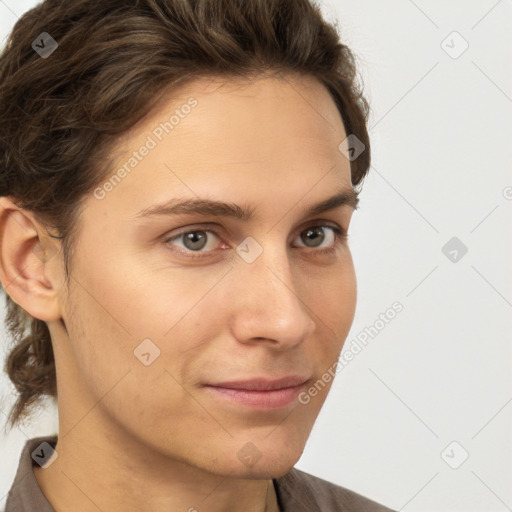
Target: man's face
208, 300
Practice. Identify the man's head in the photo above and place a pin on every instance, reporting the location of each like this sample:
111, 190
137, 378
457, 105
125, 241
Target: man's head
155, 315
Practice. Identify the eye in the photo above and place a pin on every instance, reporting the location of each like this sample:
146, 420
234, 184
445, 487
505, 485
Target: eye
313, 237
195, 240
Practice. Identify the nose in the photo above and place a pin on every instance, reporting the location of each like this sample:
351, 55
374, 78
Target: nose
269, 305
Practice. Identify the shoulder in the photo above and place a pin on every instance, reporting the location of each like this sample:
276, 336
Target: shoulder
302, 492
25, 493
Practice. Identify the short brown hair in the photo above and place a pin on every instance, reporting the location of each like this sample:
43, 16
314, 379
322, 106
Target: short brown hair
59, 115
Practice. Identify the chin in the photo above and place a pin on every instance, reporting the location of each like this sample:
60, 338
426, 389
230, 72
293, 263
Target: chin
264, 469
272, 467
266, 458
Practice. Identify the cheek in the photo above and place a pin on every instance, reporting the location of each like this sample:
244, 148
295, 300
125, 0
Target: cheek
100, 347
141, 397
161, 316
343, 289
332, 297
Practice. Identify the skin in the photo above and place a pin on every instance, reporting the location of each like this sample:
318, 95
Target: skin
134, 437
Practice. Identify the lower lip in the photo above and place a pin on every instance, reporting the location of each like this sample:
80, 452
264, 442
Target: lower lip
263, 400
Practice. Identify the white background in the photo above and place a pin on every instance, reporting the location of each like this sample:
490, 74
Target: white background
440, 371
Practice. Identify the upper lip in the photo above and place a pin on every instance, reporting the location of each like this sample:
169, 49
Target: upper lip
262, 383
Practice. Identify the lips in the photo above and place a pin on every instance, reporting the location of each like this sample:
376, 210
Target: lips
263, 384
260, 393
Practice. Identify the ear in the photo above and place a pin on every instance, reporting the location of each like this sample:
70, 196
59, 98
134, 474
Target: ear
25, 253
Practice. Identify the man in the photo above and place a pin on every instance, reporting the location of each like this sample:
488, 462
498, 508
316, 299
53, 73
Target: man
182, 236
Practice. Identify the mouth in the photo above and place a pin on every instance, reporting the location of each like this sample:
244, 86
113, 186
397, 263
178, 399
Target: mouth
260, 393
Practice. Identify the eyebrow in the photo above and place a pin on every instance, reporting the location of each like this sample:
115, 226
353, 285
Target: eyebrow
207, 207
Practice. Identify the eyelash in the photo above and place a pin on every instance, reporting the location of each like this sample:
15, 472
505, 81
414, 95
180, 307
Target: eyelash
341, 237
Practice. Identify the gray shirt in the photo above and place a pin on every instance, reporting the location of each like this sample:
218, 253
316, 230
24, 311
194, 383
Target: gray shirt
296, 491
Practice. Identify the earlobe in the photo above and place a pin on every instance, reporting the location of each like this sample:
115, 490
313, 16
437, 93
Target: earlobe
25, 251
